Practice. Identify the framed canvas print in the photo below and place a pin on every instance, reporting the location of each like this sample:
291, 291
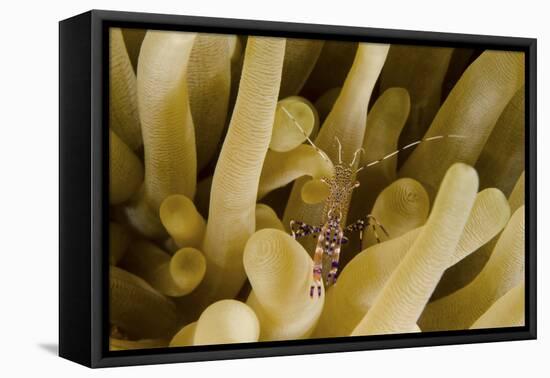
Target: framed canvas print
234, 188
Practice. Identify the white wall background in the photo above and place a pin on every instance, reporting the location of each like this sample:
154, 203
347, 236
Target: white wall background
29, 186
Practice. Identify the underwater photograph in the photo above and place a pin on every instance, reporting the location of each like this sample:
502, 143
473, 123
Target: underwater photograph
273, 189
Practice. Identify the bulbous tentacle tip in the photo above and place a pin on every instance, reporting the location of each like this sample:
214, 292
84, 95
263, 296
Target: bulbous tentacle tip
227, 321
463, 169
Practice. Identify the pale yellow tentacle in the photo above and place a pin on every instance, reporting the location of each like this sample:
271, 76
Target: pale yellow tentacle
504, 270
174, 276
502, 159
231, 219
267, 218
384, 124
125, 171
279, 270
421, 71
401, 301
300, 58
477, 99
507, 311
281, 168
185, 336
401, 207
182, 221
295, 119
364, 277
226, 321
209, 81
138, 309
167, 126
123, 106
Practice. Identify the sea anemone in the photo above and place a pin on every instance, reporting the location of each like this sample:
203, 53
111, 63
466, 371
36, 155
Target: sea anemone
218, 142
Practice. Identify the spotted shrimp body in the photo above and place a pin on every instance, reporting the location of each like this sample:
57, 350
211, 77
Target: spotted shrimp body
330, 234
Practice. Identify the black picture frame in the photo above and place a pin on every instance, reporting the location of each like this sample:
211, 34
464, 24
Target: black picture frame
83, 196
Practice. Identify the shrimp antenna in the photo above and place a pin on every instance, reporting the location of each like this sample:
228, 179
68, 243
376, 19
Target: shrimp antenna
355, 154
456, 136
319, 151
339, 150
